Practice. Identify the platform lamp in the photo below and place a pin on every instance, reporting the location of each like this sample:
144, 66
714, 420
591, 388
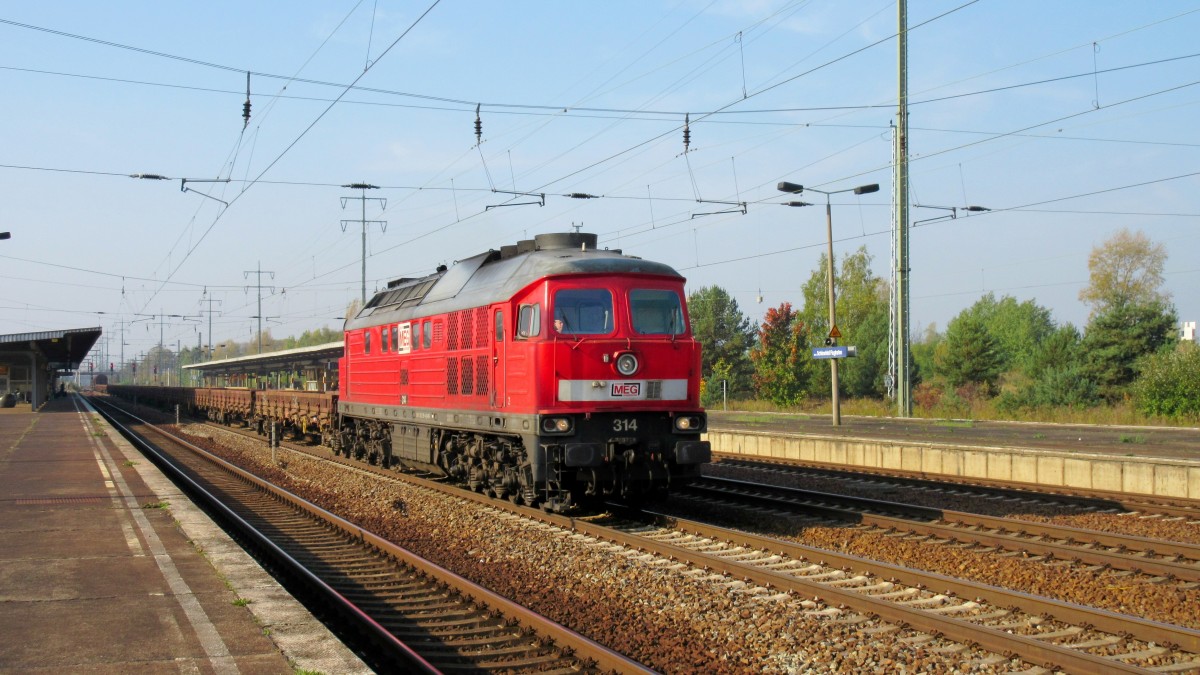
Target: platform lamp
793, 188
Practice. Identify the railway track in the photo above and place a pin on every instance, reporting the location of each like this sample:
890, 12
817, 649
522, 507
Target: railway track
1045, 632
909, 482
416, 615
1173, 561
954, 617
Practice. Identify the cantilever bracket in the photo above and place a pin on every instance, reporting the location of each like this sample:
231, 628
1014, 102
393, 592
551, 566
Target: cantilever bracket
540, 195
184, 188
741, 208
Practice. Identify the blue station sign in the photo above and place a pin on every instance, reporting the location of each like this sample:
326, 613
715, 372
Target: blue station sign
837, 352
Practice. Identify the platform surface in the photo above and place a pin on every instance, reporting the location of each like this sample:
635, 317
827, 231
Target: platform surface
1151, 442
101, 568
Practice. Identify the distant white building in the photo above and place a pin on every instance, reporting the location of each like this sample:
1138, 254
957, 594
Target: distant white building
1189, 331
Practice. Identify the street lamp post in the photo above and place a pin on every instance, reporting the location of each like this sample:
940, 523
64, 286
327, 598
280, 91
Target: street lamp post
793, 188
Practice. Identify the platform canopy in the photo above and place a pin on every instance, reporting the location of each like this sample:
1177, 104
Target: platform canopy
288, 359
59, 350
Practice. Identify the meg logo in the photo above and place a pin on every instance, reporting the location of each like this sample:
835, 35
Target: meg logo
626, 389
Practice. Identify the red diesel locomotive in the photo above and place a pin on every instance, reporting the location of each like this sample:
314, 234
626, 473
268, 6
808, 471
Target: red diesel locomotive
548, 372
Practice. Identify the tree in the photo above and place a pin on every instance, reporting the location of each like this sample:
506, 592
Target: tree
1019, 328
862, 318
1126, 269
724, 334
311, 338
1119, 337
1057, 350
969, 353
924, 350
780, 357
1055, 376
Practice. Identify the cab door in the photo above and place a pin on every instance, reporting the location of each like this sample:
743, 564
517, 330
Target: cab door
497, 379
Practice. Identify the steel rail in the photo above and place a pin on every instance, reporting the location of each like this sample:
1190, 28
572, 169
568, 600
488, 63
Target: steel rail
995, 640
199, 493
998, 641
1083, 497
876, 512
961, 524
584, 648
1184, 638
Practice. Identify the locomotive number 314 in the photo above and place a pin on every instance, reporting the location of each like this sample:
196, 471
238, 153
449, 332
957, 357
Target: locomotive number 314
621, 424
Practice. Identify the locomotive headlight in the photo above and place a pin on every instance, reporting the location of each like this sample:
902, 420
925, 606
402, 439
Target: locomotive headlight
556, 425
688, 423
627, 364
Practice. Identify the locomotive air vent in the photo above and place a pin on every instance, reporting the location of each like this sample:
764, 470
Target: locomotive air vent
565, 240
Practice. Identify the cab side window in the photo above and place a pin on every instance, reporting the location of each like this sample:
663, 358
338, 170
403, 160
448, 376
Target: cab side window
529, 321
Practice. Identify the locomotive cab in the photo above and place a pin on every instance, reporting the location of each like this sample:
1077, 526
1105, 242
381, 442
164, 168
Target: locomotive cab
618, 402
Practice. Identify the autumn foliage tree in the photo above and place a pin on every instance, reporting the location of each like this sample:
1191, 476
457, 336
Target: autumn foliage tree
1127, 269
1132, 318
780, 356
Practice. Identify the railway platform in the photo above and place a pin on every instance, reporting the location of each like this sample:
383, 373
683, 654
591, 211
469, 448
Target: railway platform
106, 567
1159, 461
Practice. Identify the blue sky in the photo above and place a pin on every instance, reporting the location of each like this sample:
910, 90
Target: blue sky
576, 97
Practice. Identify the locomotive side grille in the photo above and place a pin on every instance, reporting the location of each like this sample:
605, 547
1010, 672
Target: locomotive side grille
481, 375
467, 375
439, 331
404, 376
452, 376
465, 327
482, 327
452, 336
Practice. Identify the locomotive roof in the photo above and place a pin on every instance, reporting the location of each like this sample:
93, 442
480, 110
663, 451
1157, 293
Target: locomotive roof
494, 275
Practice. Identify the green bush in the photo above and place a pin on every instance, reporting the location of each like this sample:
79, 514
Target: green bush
1057, 387
712, 393
1169, 384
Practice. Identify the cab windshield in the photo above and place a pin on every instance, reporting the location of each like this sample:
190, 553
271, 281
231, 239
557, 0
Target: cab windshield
583, 311
656, 312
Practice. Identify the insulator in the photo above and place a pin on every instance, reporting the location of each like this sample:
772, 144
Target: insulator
246, 105
687, 132
478, 126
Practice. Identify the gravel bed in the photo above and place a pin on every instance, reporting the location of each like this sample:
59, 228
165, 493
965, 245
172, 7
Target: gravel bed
669, 616
1179, 530
1115, 591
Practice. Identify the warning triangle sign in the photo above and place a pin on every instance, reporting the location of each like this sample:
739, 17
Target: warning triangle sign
834, 332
